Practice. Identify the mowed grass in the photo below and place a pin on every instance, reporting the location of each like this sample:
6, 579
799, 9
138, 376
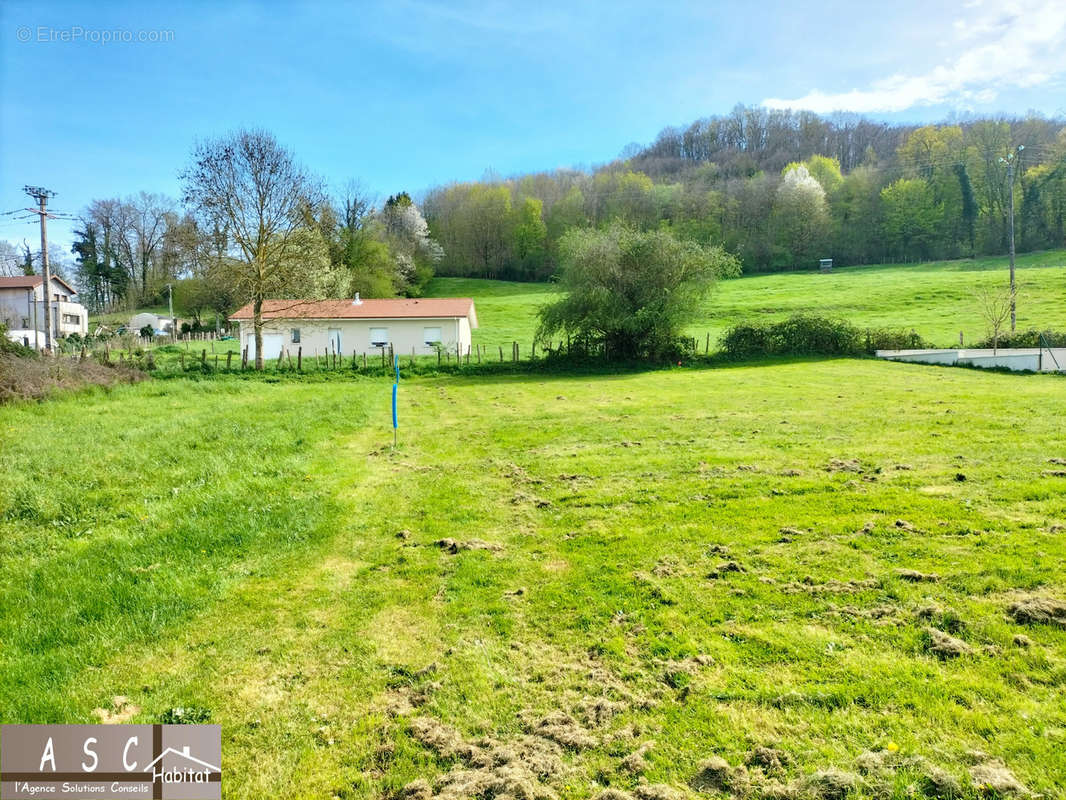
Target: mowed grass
937, 299
258, 551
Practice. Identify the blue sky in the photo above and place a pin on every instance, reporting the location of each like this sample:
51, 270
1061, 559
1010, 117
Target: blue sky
405, 95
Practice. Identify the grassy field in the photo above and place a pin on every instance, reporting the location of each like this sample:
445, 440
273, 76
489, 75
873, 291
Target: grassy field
771, 580
937, 299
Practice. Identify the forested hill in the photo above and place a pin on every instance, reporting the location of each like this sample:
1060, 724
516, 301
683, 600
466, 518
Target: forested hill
780, 189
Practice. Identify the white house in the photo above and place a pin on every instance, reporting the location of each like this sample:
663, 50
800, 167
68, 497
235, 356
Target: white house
408, 325
22, 300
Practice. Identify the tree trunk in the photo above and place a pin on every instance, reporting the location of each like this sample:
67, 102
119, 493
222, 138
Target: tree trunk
257, 323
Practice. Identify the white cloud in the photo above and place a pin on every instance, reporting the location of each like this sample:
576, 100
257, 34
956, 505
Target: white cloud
1016, 45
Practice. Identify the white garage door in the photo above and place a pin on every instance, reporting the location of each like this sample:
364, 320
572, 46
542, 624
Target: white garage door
272, 344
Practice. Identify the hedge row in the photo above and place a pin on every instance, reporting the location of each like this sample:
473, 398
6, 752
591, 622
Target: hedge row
1027, 338
806, 334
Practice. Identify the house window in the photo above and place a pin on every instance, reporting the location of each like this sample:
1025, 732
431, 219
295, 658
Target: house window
71, 319
379, 337
295, 336
25, 322
431, 336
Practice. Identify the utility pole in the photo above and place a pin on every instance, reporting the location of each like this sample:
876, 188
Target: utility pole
1009, 161
41, 195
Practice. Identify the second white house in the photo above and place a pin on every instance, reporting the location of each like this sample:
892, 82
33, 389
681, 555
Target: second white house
418, 325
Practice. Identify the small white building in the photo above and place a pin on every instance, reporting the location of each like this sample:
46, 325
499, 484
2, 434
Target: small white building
22, 300
157, 322
407, 325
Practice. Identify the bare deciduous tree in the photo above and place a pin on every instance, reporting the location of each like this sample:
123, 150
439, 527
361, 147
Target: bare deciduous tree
250, 187
137, 229
994, 305
10, 260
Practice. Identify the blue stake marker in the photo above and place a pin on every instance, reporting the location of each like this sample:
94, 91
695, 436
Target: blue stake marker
395, 386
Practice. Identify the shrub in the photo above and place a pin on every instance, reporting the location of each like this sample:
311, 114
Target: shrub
811, 335
894, 339
1027, 338
803, 334
37, 378
747, 340
630, 293
12, 348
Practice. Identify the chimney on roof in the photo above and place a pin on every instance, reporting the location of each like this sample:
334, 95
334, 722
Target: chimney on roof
357, 301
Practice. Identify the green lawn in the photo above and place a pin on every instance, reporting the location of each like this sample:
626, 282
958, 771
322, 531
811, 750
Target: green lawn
710, 560
937, 299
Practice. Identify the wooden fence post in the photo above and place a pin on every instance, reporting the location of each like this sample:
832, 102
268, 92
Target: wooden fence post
229, 360
244, 359
182, 354
501, 353
300, 359
203, 357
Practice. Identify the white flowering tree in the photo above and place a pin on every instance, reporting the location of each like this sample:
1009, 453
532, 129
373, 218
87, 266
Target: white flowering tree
414, 251
801, 217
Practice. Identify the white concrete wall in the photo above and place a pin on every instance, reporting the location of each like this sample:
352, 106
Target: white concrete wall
945, 357
15, 307
1019, 359
403, 334
64, 327
1007, 360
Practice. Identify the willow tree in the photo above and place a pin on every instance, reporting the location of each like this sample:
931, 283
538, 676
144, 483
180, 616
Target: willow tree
249, 186
632, 292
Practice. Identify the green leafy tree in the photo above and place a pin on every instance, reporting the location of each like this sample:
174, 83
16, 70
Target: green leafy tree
858, 227
530, 239
912, 217
631, 291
